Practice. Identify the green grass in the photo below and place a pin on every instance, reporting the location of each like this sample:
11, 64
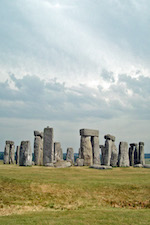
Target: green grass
76, 195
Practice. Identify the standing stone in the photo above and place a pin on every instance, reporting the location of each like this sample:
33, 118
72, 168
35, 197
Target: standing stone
38, 148
95, 150
136, 155
86, 149
141, 153
131, 154
58, 153
109, 151
25, 156
48, 146
9, 153
17, 154
12, 154
123, 158
114, 155
70, 155
6, 153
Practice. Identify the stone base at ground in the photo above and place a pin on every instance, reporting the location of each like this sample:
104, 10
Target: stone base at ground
138, 165
146, 165
100, 167
62, 164
79, 162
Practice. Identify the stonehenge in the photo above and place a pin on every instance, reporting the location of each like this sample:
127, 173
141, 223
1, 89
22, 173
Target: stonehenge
123, 156
49, 153
38, 148
17, 155
89, 147
9, 153
109, 151
70, 155
48, 146
25, 156
58, 153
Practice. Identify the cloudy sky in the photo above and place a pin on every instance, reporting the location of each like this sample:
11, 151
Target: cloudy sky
72, 65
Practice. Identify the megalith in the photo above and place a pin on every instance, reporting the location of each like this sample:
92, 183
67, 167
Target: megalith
58, 153
38, 148
25, 156
123, 157
70, 155
136, 154
89, 147
109, 154
95, 150
48, 146
132, 154
141, 153
9, 153
17, 154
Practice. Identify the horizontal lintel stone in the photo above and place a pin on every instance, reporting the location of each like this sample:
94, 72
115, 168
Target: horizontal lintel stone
89, 132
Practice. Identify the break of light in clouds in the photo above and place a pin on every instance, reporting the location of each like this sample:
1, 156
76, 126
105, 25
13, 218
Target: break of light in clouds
75, 64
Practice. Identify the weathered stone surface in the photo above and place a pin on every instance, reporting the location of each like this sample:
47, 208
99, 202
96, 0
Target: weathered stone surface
141, 153
79, 162
136, 155
6, 153
58, 153
37, 133
62, 164
109, 137
70, 155
131, 154
25, 156
89, 132
10, 142
95, 150
9, 153
49, 164
123, 158
12, 154
106, 152
138, 165
146, 165
114, 154
48, 146
17, 154
86, 149
38, 151
101, 167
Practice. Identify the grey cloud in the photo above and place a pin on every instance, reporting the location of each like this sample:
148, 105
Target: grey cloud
35, 98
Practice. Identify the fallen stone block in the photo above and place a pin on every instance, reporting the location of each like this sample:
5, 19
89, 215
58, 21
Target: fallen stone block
138, 165
62, 164
146, 165
101, 167
79, 162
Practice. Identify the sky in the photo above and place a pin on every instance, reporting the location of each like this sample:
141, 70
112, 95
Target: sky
72, 65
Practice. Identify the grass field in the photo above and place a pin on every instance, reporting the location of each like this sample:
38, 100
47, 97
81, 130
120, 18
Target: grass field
76, 195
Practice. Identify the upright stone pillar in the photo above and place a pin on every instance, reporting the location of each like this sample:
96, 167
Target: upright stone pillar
12, 154
9, 153
6, 153
114, 155
48, 146
95, 150
17, 154
70, 155
38, 148
136, 155
141, 153
123, 158
25, 156
58, 153
86, 148
89, 146
131, 153
109, 151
